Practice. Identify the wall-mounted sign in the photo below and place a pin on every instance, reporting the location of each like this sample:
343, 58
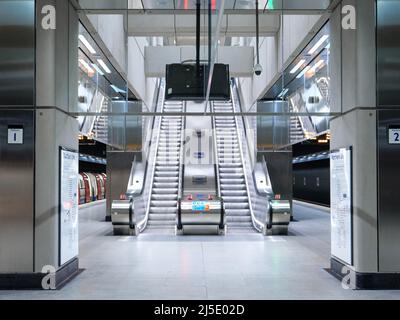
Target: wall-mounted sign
69, 170
341, 205
15, 135
394, 135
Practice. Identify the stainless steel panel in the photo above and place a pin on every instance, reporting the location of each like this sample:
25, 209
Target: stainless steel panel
388, 52
199, 179
16, 193
126, 131
118, 172
17, 53
272, 131
388, 194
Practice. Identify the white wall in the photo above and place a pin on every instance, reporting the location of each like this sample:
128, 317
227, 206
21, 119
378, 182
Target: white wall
110, 28
294, 29
143, 86
274, 54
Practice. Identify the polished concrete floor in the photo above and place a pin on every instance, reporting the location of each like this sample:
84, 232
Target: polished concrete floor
245, 266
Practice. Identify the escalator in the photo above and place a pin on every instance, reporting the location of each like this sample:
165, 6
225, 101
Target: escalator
182, 191
164, 194
230, 169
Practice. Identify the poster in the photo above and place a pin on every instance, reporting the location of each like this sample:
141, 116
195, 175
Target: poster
341, 205
69, 166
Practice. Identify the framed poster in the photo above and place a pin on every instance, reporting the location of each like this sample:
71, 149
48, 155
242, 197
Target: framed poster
68, 215
341, 205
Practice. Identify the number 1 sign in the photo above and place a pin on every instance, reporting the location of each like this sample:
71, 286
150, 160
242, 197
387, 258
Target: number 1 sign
394, 135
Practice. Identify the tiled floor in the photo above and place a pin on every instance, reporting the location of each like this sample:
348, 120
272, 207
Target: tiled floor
227, 267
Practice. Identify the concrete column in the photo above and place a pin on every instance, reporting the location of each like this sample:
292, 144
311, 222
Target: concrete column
358, 128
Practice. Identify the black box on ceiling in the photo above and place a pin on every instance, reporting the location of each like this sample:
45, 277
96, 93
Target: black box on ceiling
185, 82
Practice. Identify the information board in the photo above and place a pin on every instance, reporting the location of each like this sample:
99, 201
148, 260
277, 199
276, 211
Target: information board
341, 205
69, 167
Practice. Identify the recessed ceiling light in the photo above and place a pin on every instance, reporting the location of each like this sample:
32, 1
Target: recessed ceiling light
320, 63
86, 65
297, 66
87, 44
103, 65
318, 44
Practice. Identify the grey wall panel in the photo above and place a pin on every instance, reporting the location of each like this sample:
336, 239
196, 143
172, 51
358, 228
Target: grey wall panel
17, 53
335, 60
359, 58
56, 58
53, 129
389, 200
16, 193
73, 60
358, 129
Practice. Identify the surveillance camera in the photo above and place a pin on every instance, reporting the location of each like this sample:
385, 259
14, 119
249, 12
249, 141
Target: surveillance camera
258, 69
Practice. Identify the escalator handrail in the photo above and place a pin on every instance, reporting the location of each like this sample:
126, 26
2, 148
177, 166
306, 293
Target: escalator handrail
265, 195
142, 224
181, 167
147, 163
259, 226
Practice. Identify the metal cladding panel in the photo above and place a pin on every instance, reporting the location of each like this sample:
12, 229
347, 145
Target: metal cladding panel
119, 166
272, 131
17, 53
388, 52
388, 194
16, 192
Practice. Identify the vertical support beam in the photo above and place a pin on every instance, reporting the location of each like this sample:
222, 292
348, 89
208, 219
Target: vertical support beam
364, 127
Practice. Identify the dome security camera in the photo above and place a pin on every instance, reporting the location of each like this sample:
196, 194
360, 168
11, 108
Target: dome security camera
258, 69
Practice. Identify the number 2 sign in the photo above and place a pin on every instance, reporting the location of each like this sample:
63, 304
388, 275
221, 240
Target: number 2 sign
394, 135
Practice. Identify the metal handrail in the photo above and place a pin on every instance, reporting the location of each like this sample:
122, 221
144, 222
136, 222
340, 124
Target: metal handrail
259, 226
143, 224
147, 148
181, 175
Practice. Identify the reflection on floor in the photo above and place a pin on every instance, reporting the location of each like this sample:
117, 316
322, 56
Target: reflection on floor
231, 267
